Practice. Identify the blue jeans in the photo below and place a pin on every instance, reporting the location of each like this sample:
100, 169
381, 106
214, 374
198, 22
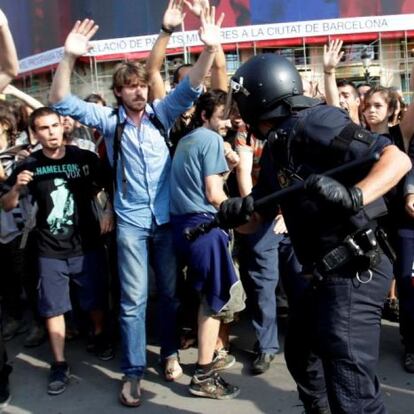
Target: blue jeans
260, 259
136, 246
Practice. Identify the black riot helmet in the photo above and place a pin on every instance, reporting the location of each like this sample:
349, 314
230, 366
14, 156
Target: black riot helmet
267, 86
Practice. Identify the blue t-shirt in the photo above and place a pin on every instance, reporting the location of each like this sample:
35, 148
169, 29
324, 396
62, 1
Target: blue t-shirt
198, 155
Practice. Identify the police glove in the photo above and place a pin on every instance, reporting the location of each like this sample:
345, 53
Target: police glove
235, 211
332, 191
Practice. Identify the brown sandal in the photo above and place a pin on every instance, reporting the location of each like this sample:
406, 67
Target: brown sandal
134, 392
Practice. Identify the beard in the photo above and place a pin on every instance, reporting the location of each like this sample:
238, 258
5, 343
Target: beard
136, 105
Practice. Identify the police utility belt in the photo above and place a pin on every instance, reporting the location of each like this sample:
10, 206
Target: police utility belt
361, 250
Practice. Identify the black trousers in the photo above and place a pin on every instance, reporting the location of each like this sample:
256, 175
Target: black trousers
4, 367
405, 285
333, 337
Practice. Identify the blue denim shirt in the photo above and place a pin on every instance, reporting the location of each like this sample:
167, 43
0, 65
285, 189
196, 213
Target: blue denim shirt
147, 161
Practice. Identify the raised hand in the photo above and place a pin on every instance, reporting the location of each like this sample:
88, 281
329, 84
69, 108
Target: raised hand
210, 29
174, 15
77, 42
196, 6
332, 55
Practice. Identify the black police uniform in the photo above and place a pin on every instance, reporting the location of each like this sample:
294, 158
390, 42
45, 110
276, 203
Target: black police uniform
333, 337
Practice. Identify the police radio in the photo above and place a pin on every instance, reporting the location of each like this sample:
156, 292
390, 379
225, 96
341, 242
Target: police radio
279, 146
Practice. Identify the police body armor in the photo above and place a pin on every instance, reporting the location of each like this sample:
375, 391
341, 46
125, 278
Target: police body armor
312, 141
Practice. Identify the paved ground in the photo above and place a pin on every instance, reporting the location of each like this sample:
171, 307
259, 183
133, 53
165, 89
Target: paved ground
94, 384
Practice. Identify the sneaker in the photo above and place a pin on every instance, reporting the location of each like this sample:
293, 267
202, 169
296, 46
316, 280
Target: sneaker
36, 336
5, 396
212, 385
409, 362
262, 363
101, 347
13, 327
222, 360
58, 378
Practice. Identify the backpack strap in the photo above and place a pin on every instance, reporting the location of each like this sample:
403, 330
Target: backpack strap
117, 153
162, 130
117, 149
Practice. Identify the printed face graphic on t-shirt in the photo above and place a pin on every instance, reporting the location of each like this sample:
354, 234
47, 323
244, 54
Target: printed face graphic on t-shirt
61, 215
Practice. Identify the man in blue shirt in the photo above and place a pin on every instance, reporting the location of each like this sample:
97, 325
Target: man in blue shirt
142, 188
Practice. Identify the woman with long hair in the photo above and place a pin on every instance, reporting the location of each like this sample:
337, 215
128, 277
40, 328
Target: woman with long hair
382, 109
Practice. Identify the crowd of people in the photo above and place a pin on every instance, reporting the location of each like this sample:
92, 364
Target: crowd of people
95, 199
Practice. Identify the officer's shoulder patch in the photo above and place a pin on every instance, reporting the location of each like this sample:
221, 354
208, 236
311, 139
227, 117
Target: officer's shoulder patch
364, 136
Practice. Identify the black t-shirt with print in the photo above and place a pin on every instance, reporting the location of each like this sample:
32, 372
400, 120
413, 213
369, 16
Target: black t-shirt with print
64, 190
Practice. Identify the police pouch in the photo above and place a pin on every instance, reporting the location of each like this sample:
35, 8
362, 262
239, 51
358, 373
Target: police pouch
359, 249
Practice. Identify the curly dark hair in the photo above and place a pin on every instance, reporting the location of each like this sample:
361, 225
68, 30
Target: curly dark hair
207, 103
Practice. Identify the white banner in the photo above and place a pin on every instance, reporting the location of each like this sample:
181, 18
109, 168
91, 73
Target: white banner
400, 22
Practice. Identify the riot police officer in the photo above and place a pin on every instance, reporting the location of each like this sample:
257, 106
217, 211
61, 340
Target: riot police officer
333, 227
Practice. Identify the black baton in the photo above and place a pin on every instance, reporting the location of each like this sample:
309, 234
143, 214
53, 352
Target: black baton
194, 232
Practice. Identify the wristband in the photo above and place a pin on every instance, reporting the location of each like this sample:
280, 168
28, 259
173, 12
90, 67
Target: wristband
166, 30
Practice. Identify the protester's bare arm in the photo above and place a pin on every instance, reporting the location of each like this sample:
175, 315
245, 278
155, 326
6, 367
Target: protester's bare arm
385, 174
10, 200
9, 66
219, 71
210, 35
173, 17
214, 190
76, 45
22, 96
331, 57
218, 68
244, 171
232, 159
